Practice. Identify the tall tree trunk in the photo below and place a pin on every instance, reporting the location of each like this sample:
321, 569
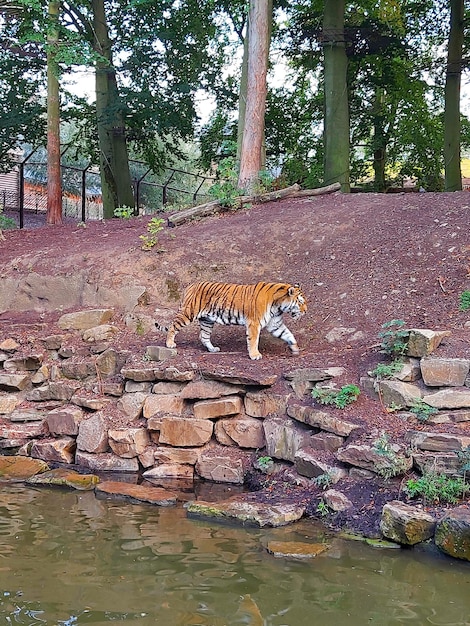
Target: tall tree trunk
54, 185
116, 183
242, 98
253, 132
336, 131
379, 141
453, 171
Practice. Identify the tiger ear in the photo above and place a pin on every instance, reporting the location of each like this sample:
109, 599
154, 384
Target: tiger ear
293, 289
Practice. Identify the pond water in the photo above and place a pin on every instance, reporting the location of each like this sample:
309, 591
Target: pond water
67, 558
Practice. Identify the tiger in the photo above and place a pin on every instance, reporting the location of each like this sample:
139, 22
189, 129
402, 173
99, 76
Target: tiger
255, 306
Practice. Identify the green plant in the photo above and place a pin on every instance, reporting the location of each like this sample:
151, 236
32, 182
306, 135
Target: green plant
6, 223
124, 212
339, 397
264, 463
225, 189
465, 300
322, 508
435, 488
394, 338
387, 370
422, 410
324, 480
464, 461
154, 226
392, 464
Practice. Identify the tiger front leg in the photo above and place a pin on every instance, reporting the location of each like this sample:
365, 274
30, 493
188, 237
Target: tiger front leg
252, 341
278, 329
205, 335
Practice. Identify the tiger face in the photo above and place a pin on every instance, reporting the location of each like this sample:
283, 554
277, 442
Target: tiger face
297, 303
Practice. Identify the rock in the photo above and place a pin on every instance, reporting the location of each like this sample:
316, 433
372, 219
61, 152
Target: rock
159, 353
321, 419
65, 478
20, 467
28, 363
422, 341
296, 549
410, 371
9, 345
27, 430
397, 393
135, 493
170, 470
93, 403
303, 380
453, 533
167, 388
440, 372
185, 432
172, 404
106, 462
209, 389
128, 442
368, 458
245, 432
245, 512
264, 403
172, 374
55, 450
438, 462
104, 332
14, 382
82, 320
54, 390
214, 464
110, 362
209, 409
65, 420
93, 434
449, 399
8, 404
336, 501
326, 441
436, 442
131, 404
340, 332
27, 415
310, 463
285, 437
240, 377
406, 524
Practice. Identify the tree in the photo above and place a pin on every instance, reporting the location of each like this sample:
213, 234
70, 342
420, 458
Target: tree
336, 133
253, 132
452, 124
54, 186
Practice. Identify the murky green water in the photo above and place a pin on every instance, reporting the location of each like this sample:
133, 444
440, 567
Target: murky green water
67, 558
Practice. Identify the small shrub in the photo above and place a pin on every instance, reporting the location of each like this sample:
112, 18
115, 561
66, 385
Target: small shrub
436, 488
6, 223
464, 300
423, 411
225, 189
323, 509
264, 464
124, 212
392, 465
340, 398
153, 228
387, 370
464, 461
394, 338
323, 481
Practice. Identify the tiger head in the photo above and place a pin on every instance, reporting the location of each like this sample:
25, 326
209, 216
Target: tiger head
295, 302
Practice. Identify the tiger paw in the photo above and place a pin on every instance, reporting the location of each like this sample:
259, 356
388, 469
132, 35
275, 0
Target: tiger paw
256, 356
214, 349
295, 349
170, 344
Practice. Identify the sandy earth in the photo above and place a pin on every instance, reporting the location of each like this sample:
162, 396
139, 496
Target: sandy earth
361, 259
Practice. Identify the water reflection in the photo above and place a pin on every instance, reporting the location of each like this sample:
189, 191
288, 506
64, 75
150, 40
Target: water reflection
67, 558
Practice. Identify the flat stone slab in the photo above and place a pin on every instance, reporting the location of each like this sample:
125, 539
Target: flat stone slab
20, 467
246, 512
136, 493
65, 478
237, 377
296, 549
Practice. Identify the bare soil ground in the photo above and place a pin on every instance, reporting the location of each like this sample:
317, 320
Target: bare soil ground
362, 260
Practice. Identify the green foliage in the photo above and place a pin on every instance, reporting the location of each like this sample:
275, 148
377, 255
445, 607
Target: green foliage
392, 465
387, 370
154, 226
6, 223
323, 509
394, 338
464, 461
436, 488
124, 212
264, 464
423, 411
324, 480
464, 300
340, 398
225, 189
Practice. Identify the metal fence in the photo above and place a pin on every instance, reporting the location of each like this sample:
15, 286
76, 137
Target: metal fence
81, 196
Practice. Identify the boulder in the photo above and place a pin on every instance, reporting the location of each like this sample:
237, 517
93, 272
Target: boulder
63, 477
170, 470
406, 524
185, 432
82, 320
265, 403
209, 389
284, 437
106, 462
422, 341
128, 442
336, 501
209, 409
65, 420
450, 398
60, 450
440, 372
135, 493
452, 534
172, 404
321, 419
245, 432
397, 393
20, 467
93, 434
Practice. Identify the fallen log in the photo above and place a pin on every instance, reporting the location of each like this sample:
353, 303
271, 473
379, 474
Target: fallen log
209, 208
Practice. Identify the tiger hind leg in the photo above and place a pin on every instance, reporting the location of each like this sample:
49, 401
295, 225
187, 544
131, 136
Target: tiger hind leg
205, 334
278, 329
178, 323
